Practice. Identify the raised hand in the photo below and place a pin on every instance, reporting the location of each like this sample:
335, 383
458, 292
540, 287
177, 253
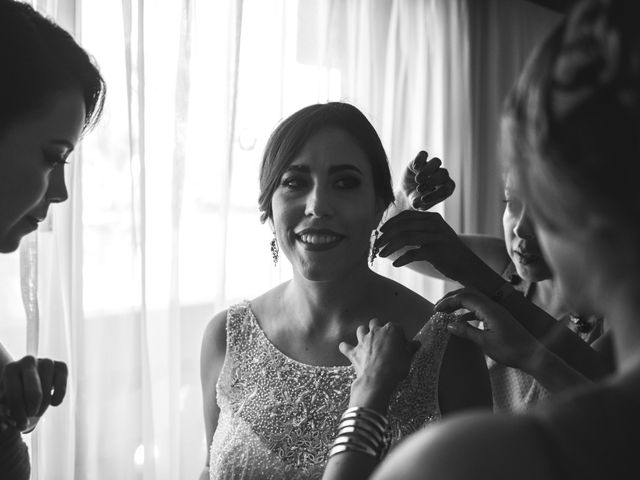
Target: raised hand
381, 359
27, 388
503, 339
433, 240
425, 183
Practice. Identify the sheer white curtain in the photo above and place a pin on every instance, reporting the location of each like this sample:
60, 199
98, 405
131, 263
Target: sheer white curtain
162, 230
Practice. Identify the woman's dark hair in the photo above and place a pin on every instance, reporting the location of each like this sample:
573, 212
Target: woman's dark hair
39, 59
291, 135
571, 125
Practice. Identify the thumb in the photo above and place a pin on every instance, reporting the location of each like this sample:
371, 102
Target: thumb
463, 330
345, 349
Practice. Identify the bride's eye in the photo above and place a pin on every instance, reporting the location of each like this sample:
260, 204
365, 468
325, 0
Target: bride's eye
292, 182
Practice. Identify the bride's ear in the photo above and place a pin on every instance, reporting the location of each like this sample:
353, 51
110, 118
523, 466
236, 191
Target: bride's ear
271, 224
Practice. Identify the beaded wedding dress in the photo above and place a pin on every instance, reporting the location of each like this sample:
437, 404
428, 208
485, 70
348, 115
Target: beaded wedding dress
278, 416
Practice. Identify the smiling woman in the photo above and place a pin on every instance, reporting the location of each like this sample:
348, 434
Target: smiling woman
275, 371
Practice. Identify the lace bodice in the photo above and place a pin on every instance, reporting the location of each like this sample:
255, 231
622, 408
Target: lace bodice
278, 416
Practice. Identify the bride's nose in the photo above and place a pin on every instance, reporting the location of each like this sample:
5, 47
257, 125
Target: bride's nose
319, 202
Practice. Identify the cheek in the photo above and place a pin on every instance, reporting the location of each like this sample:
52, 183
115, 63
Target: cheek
507, 227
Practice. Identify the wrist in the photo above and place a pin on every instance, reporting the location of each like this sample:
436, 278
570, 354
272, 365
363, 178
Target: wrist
365, 393
534, 361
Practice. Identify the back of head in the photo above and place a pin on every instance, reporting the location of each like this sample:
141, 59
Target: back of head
39, 59
571, 126
289, 137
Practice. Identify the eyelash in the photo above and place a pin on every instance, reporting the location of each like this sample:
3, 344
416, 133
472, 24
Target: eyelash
56, 160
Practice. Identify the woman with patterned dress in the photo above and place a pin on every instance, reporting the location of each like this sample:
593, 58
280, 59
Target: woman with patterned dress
274, 377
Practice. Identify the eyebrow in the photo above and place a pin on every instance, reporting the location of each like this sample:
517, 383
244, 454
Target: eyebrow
332, 169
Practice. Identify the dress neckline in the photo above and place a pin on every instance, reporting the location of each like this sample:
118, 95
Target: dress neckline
270, 345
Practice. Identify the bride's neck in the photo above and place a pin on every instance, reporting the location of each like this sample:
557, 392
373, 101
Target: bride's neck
330, 300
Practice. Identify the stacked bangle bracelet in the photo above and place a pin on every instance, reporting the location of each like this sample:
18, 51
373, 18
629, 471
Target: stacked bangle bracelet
363, 430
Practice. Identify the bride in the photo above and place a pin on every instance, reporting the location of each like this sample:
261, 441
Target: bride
274, 380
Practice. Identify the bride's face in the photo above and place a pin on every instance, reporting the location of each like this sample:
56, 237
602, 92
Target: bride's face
325, 207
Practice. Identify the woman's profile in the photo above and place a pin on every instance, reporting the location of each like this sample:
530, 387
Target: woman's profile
50, 94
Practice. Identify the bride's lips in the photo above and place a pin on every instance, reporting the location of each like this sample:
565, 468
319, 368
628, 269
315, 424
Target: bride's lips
318, 239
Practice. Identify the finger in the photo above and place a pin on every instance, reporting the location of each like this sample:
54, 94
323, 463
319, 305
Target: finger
346, 349
375, 323
428, 181
465, 330
417, 163
31, 385
428, 168
60, 376
422, 254
406, 215
361, 332
437, 195
421, 221
467, 317
14, 394
421, 240
45, 372
481, 306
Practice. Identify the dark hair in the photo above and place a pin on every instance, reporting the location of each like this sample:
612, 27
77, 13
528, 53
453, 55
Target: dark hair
571, 125
291, 135
40, 59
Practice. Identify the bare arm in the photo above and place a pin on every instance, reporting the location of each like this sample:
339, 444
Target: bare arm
381, 359
214, 346
488, 249
552, 372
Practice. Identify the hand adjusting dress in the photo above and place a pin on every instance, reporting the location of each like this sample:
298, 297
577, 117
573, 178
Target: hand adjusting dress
278, 416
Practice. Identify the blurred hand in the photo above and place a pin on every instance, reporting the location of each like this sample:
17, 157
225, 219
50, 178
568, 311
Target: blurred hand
381, 359
503, 339
27, 388
425, 183
434, 241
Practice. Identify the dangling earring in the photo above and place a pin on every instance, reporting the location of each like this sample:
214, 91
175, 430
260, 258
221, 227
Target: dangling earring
274, 250
374, 248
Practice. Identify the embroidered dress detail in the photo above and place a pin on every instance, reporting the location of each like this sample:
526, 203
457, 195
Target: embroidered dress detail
279, 416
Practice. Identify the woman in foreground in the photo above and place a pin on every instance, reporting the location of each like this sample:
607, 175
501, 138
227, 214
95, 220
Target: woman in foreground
571, 129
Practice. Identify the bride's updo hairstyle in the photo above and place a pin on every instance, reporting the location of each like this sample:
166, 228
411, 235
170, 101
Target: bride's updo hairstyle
571, 126
292, 133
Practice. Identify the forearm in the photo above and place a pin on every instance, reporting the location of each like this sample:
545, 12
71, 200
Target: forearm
557, 338
352, 465
552, 372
